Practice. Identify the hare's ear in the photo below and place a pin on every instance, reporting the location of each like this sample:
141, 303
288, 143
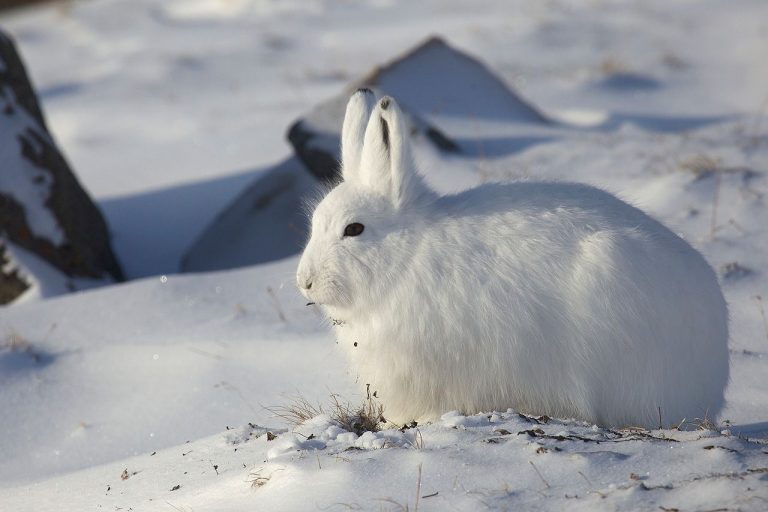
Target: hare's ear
359, 110
387, 167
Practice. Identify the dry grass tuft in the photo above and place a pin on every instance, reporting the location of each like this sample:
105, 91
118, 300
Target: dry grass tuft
259, 477
16, 343
297, 412
698, 424
366, 417
613, 66
701, 166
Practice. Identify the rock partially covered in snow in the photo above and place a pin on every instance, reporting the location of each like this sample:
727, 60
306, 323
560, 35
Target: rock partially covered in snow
431, 80
43, 208
316, 136
435, 79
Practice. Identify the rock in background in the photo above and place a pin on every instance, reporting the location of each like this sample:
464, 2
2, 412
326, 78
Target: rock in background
265, 223
432, 82
44, 212
316, 137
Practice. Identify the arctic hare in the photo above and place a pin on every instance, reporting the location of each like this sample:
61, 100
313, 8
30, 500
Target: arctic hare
550, 298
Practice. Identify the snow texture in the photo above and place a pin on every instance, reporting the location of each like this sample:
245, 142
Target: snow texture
168, 109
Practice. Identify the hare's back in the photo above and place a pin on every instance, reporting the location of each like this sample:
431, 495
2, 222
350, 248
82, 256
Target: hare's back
572, 276
518, 221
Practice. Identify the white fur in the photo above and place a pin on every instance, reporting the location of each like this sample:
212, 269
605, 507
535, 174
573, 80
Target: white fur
550, 298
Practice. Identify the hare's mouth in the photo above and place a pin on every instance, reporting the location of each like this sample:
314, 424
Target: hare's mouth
326, 292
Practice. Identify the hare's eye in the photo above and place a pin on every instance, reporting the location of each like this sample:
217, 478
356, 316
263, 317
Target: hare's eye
353, 229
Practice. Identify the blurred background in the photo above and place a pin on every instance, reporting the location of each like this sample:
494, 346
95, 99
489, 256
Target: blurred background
167, 110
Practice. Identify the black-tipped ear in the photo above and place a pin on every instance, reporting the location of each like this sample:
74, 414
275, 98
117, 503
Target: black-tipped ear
359, 108
386, 160
385, 133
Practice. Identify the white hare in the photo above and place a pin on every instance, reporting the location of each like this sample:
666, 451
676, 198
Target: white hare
550, 298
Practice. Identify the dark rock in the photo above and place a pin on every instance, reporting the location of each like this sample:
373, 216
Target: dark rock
43, 208
11, 283
734, 270
264, 223
316, 137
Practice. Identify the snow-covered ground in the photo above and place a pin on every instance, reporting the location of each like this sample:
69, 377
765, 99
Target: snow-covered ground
168, 109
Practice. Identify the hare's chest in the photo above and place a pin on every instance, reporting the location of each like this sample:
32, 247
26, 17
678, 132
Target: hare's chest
352, 336
370, 342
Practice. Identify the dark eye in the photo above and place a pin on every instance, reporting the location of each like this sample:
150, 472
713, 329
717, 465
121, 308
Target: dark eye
353, 229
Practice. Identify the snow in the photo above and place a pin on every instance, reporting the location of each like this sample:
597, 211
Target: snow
183, 356
167, 111
463, 463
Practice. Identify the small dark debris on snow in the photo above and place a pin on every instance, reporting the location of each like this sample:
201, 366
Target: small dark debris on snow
503, 432
493, 440
153, 453
353, 449
185, 454
537, 432
734, 270
541, 420
430, 495
713, 446
746, 352
633, 434
636, 477
176, 487
271, 436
